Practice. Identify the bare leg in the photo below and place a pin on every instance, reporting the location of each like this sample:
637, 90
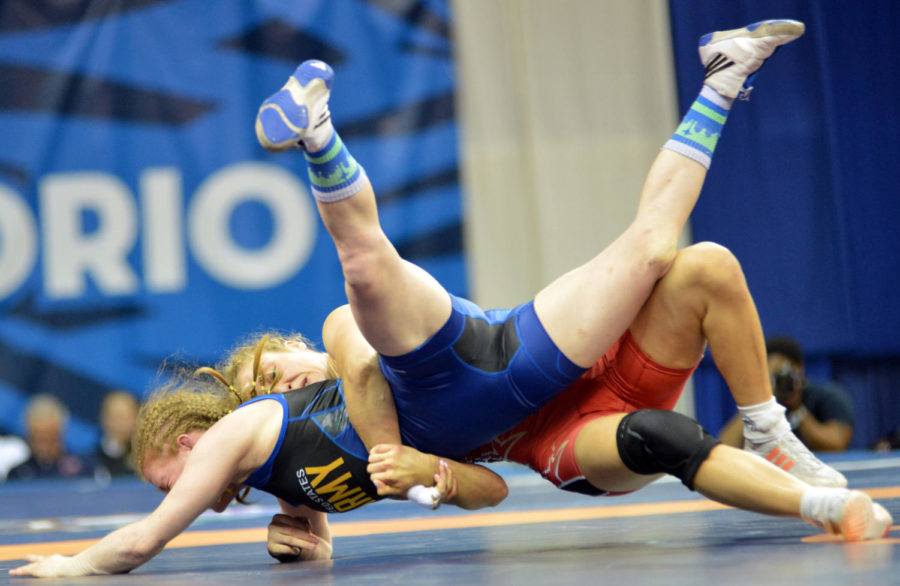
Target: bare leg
705, 297
729, 476
740, 479
732, 477
396, 304
597, 455
588, 308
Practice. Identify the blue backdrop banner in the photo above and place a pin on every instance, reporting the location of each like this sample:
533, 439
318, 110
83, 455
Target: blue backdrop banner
803, 189
140, 220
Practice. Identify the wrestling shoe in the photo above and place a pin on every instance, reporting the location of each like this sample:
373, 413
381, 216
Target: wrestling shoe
788, 453
851, 514
298, 110
733, 58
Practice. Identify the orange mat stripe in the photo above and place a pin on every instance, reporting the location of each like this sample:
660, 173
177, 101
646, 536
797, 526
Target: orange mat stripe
359, 528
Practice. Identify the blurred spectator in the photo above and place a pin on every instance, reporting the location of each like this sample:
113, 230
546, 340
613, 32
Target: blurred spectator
13, 451
821, 415
45, 423
118, 416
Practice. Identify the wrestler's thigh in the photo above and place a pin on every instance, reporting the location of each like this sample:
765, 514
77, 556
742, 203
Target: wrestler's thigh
598, 457
669, 327
400, 309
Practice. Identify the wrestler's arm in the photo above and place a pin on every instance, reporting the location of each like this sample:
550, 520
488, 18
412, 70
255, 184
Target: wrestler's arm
395, 468
830, 435
299, 534
370, 404
216, 460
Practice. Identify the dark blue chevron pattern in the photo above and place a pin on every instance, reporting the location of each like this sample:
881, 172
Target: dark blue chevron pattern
112, 93
63, 93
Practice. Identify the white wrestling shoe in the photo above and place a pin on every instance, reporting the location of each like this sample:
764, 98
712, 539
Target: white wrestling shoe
851, 514
788, 453
297, 110
733, 58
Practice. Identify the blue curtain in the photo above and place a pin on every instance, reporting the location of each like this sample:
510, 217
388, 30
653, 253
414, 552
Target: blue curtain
804, 190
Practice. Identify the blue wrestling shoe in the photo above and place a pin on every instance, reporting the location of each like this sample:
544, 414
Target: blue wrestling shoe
733, 58
298, 111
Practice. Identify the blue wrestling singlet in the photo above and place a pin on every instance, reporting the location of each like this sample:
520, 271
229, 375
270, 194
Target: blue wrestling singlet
480, 374
319, 461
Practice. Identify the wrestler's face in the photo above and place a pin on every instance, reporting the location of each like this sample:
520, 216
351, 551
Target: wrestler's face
164, 470
295, 367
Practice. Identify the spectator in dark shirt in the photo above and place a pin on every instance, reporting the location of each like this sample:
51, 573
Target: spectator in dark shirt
821, 415
45, 422
118, 416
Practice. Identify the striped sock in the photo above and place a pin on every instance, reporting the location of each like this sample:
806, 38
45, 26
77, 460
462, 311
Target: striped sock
699, 131
333, 172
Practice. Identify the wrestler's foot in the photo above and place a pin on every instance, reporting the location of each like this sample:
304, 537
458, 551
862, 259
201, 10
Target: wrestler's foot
733, 58
297, 114
788, 453
851, 514
881, 518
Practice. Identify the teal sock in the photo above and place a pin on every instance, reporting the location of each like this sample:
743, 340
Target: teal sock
699, 131
333, 172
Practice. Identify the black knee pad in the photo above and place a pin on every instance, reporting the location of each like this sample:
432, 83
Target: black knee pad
651, 441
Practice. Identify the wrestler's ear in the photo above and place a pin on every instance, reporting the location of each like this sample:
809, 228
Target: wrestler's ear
185, 441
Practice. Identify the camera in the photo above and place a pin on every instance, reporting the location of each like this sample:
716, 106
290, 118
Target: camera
784, 380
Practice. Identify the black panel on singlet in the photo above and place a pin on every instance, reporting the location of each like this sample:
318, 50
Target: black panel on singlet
487, 347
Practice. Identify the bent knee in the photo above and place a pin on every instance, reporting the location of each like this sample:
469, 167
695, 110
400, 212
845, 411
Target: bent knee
653, 441
710, 266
